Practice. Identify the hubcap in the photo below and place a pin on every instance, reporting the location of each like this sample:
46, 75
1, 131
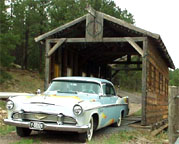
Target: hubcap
119, 121
90, 130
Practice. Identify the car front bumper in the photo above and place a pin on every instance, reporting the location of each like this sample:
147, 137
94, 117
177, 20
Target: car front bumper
47, 126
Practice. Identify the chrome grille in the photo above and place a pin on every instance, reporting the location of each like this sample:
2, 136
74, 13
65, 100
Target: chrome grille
47, 118
69, 120
39, 117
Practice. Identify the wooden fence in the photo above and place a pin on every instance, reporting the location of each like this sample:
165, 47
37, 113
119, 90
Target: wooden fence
173, 117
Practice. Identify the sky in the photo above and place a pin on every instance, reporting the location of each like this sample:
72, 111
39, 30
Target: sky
157, 16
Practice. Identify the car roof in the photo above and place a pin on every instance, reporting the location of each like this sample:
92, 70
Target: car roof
90, 79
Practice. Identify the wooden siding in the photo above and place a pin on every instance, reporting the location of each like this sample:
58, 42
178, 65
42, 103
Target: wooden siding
157, 86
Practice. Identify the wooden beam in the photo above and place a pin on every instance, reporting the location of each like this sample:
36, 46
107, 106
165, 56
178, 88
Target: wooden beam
58, 29
157, 131
47, 65
144, 83
173, 118
126, 62
115, 73
91, 10
105, 39
135, 45
123, 39
128, 69
94, 27
56, 46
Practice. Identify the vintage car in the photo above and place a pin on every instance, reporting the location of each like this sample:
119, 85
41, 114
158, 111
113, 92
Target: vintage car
76, 104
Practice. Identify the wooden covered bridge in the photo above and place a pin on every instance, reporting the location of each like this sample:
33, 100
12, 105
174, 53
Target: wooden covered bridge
89, 44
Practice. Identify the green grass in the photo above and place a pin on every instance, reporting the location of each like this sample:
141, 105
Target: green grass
116, 138
4, 130
138, 113
27, 141
130, 137
3, 104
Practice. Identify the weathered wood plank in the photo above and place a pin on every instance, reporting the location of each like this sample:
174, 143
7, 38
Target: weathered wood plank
126, 62
91, 11
58, 29
105, 39
47, 65
56, 46
136, 46
94, 27
173, 118
127, 69
157, 131
60, 61
144, 81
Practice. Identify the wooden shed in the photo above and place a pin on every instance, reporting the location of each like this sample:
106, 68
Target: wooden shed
88, 45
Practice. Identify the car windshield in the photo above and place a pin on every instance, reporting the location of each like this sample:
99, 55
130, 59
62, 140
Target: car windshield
62, 86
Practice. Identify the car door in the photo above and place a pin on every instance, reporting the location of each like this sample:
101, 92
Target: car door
109, 109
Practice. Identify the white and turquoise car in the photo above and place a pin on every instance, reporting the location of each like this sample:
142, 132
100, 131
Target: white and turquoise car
76, 104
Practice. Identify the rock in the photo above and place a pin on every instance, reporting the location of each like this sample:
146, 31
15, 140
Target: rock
4, 112
165, 141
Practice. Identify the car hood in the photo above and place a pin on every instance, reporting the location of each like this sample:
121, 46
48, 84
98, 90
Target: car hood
53, 103
53, 99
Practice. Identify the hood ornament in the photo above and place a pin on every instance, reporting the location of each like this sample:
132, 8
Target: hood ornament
40, 116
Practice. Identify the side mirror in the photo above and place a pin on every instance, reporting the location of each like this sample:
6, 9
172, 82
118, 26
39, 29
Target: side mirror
38, 91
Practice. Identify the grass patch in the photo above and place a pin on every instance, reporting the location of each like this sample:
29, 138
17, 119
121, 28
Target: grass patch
117, 138
130, 137
3, 104
27, 141
138, 113
22, 81
4, 130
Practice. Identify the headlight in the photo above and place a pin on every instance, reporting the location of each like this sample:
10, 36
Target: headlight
10, 105
77, 110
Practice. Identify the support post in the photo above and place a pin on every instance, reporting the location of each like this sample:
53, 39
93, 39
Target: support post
144, 82
173, 119
47, 64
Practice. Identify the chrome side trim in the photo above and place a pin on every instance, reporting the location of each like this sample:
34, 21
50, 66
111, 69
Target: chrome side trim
102, 106
47, 126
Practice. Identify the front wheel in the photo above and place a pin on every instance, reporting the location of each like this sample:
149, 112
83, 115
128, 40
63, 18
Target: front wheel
118, 123
87, 136
23, 132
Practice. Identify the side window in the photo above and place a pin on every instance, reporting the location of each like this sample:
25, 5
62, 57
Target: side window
108, 89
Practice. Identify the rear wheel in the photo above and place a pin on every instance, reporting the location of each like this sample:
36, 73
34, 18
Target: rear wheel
87, 136
23, 132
